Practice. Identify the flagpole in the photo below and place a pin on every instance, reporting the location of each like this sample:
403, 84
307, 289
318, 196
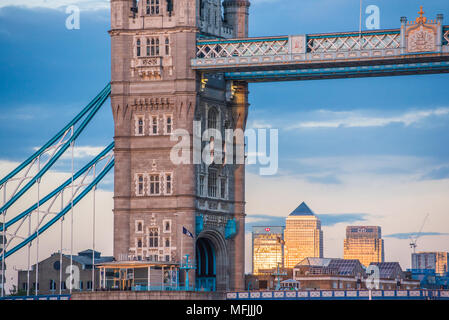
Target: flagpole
360, 26
182, 237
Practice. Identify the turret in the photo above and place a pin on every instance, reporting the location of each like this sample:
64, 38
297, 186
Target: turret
236, 15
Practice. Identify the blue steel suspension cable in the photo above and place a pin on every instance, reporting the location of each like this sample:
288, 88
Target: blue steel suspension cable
58, 154
62, 213
55, 137
58, 189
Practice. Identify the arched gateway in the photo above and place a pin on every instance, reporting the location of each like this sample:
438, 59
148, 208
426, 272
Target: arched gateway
155, 92
212, 272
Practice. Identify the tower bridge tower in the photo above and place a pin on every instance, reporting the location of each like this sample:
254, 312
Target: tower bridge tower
155, 92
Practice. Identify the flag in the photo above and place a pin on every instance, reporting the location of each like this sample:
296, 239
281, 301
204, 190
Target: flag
187, 232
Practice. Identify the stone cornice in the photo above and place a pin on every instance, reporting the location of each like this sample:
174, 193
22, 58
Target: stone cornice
133, 32
236, 3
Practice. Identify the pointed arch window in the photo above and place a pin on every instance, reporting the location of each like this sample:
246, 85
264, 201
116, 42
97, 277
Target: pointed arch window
212, 118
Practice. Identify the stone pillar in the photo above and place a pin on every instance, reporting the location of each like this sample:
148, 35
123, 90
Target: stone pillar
440, 34
236, 14
403, 34
240, 113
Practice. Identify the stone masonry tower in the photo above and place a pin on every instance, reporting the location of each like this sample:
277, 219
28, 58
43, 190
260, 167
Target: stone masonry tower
155, 93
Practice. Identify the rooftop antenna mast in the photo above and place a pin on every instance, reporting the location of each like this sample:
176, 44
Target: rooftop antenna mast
414, 238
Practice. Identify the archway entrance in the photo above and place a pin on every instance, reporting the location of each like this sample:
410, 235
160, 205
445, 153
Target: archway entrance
206, 273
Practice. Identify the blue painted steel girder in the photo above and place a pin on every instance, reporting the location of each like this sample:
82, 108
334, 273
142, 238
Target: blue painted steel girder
341, 72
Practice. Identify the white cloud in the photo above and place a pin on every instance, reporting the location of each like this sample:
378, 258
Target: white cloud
57, 4
355, 119
80, 152
258, 124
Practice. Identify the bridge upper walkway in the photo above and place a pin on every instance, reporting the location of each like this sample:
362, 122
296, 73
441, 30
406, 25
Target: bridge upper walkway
420, 46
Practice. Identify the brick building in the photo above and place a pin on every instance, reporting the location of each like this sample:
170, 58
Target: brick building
50, 273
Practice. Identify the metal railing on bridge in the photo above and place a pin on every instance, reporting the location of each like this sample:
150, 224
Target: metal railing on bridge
423, 44
341, 295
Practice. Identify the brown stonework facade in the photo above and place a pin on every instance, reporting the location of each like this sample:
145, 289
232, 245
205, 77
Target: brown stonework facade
154, 93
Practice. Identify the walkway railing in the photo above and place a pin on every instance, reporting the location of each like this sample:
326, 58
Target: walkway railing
341, 295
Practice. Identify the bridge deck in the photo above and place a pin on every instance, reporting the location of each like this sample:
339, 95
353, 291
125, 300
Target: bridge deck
332, 55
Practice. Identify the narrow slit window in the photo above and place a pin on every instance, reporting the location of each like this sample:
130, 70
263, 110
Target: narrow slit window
168, 183
140, 126
167, 46
138, 48
201, 185
140, 185
154, 128
223, 188
168, 124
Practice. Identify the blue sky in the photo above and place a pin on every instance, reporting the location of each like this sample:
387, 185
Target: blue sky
369, 151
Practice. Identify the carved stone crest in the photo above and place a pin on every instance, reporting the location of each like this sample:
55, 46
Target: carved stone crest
421, 40
298, 44
421, 34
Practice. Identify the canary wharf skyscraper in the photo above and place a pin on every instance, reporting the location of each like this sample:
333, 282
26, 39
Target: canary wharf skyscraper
364, 243
268, 248
303, 236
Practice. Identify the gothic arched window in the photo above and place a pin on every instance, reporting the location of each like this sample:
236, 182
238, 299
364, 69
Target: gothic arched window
212, 118
212, 183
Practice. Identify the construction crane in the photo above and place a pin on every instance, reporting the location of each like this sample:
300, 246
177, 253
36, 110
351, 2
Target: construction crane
415, 237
